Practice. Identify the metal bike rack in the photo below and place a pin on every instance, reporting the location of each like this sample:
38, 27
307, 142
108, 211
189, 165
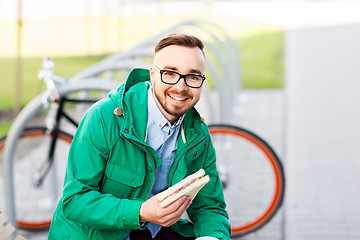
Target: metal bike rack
223, 66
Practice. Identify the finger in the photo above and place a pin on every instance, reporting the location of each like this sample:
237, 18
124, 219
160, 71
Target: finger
172, 213
189, 203
178, 208
185, 205
176, 205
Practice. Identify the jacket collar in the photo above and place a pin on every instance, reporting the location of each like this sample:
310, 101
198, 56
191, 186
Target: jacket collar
137, 75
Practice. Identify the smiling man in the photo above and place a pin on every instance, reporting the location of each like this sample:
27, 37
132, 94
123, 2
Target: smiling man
175, 97
143, 138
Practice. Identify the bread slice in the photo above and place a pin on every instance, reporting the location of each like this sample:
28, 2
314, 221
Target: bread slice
189, 186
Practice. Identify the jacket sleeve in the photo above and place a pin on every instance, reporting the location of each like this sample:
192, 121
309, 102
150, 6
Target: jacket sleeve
207, 212
82, 200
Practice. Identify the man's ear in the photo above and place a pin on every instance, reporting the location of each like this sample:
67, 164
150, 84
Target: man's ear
152, 72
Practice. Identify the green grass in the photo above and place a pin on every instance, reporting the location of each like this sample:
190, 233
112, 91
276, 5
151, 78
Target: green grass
31, 86
4, 127
262, 58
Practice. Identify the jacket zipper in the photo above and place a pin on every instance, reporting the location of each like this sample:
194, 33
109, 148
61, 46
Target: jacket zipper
172, 177
152, 158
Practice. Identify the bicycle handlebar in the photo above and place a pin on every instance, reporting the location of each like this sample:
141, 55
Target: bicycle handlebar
47, 74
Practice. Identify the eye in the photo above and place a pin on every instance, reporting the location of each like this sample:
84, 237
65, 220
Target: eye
169, 74
194, 78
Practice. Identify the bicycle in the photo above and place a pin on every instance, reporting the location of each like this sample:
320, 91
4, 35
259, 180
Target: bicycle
262, 162
27, 142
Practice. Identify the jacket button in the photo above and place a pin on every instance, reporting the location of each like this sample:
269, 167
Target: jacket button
118, 112
195, 154
126, 131
205, 144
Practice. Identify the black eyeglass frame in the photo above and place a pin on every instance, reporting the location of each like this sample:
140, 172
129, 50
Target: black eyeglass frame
181, 76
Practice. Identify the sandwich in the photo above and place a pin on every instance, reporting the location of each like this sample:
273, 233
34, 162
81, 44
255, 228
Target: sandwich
189, 186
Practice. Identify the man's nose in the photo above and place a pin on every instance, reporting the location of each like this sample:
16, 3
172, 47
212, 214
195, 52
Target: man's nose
181, 85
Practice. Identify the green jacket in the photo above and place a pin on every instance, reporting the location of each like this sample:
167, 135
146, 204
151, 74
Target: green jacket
111, 171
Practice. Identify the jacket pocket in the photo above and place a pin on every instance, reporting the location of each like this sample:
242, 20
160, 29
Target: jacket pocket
121, 181
61, 229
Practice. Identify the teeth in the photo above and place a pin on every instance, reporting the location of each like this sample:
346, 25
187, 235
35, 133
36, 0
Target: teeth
177, 98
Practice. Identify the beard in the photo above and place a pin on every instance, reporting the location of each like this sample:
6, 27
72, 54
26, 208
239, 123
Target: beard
174, 110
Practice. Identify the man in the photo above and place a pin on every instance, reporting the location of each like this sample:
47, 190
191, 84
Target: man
143, 138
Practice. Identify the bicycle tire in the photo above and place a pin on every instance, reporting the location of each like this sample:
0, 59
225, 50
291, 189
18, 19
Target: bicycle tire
261, 167
23, 163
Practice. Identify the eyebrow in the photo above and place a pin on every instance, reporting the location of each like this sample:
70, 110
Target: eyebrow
175, 69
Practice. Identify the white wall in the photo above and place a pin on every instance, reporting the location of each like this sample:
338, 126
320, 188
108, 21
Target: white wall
323, 132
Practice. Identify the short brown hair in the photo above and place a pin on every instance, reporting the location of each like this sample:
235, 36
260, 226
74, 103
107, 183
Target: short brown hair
180, 39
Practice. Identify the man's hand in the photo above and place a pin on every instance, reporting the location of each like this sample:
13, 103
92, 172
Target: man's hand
151, 211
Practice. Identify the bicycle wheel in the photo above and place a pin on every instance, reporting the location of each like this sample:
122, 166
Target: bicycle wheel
252, 174
35, 211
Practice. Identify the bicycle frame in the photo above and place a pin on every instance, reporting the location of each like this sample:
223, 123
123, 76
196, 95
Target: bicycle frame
54, 131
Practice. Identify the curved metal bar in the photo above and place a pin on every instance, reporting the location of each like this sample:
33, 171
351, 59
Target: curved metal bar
96, 69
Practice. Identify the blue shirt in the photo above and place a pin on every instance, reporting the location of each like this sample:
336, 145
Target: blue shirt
162, 136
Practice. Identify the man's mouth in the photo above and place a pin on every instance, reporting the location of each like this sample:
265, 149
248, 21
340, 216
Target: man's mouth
177, 98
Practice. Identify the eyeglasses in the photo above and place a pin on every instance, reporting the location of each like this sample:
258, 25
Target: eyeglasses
172, 78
